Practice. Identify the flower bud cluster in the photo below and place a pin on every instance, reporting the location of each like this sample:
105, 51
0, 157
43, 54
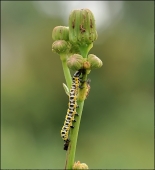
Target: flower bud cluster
76, 62
80, 34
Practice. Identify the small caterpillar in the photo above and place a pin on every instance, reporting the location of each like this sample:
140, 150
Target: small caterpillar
71, 112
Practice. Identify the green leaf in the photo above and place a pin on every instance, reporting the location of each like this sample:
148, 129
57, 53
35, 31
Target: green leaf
66, 89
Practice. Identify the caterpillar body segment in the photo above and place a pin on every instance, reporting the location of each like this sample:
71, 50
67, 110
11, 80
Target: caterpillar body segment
64, 134
69, 112
72, 106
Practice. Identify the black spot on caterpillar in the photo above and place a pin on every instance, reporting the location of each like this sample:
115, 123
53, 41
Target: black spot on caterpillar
71, 112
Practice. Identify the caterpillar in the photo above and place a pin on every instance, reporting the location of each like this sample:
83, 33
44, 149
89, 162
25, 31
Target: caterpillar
71, 112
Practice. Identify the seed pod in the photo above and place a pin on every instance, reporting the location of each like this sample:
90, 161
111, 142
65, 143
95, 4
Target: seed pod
75, 62
61, 46
82, 28
94, 61
60, 33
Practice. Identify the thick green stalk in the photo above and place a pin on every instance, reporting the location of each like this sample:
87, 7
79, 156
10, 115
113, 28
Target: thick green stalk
73, 139
74, 132
85, 49
66, 70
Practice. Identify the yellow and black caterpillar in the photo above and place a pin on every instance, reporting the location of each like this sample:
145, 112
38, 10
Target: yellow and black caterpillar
71, 112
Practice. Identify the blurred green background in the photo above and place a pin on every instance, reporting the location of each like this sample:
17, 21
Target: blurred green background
117, 123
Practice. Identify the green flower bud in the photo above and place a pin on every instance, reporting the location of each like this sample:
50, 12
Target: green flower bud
60, 33
75, 62
82, 28
78, 165
61, 46
94, 61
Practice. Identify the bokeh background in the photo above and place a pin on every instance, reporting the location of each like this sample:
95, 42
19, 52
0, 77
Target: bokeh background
117, 123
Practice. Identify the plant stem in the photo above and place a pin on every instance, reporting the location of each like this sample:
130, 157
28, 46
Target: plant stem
74, 132
73, 139
85, 49
66, 70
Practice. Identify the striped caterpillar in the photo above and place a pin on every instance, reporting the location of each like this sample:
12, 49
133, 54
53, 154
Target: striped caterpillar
71, 112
